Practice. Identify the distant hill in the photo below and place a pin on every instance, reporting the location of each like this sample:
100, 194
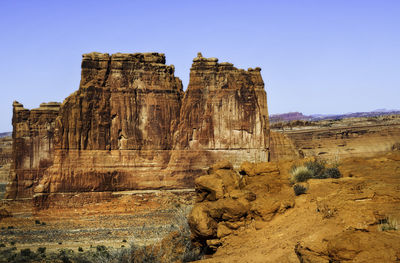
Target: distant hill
290, 116
294, 116
5, 134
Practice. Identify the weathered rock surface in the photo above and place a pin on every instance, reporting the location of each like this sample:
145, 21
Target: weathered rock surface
5, 158
354, 137
33, 146
336, 220
130, 126
220, 111
228, 200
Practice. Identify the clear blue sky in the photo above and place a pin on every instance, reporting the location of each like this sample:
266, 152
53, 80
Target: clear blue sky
316, 56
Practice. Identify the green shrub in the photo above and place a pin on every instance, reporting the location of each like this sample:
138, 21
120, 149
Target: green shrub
80, 249
316, 167
12, 243
101, 248
387, 223
10, 227
313, 170
2, 245
41, 250
300, 174
299, 189
332, 173
26, 252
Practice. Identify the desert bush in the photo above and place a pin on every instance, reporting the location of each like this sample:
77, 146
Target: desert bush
41, 250
37, 222
26, 252
25, 255
314, 170
80, 249
2, 245
332, 172
299, 189
101, 248
300, 174
387, 223
316, 167
174, 247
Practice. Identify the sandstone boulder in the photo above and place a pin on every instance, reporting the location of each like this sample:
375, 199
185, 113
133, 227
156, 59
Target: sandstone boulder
229, 199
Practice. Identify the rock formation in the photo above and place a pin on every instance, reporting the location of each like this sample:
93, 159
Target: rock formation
331, 139
33, 146
5, 158
228, 200
130, 126
252, 215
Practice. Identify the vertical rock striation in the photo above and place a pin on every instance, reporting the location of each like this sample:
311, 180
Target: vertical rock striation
130, 126
33, 147
224, 108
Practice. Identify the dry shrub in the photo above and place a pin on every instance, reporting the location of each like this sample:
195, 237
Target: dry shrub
387, 223
174, 247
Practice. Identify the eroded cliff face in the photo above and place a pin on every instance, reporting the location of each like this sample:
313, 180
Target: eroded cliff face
130, 126
125, 102
33, 147
224, 108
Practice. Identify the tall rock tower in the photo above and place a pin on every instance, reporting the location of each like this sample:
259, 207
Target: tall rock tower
130, 126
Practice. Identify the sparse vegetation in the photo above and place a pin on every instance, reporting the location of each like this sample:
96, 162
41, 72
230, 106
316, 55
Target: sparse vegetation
317, 168
387, 223
41, 250
299, 189
300, 174
332, 172
175, 247
314, 170
80, 249
26, 252
37, 222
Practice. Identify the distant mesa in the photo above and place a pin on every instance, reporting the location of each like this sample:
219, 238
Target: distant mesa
298, 116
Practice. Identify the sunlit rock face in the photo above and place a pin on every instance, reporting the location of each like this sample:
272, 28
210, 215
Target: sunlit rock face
224, 108
33, 147
130, 126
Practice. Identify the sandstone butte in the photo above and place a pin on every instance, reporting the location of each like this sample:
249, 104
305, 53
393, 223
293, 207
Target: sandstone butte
130, 126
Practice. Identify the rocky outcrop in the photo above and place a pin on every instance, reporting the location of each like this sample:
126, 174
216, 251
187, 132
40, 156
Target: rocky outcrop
350, 219
354, 245
228, 200
33, 146
5, 158
330, 139
130, 126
